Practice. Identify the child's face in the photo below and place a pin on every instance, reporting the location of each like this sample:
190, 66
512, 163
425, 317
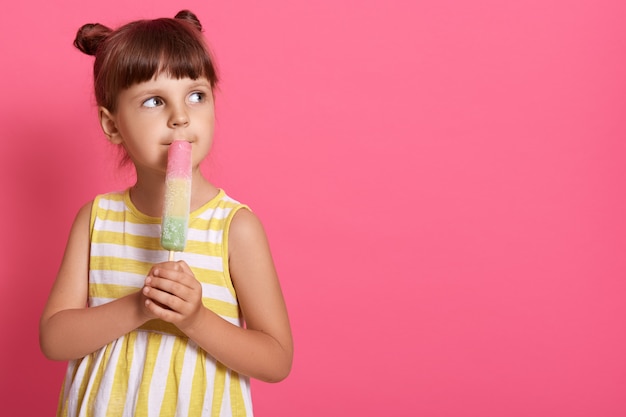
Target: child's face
152, 114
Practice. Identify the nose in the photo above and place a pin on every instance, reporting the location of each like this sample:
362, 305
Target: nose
178, 118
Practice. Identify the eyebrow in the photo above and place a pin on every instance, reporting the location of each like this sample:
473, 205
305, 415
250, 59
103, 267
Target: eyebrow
197, 84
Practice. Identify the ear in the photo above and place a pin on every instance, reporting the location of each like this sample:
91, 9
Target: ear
109, 127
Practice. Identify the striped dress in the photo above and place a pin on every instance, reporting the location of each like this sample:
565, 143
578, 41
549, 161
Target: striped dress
156, 370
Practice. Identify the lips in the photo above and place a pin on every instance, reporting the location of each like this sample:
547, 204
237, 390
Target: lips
178, 140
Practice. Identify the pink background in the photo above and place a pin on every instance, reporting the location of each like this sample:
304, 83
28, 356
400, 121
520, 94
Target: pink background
442, 182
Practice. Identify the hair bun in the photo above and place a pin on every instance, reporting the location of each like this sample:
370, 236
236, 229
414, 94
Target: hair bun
189, 17
90, 36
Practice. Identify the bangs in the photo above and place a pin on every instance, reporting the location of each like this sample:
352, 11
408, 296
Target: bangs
146, 49
159, 46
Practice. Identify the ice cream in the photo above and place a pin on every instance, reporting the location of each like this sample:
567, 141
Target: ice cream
177, 197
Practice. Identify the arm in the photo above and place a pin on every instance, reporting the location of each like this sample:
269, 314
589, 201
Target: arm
68, 329
264, 348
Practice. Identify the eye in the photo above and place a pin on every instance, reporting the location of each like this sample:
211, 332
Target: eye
196, 97
153, 102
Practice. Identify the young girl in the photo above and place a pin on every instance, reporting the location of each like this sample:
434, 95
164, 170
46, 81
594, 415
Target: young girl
145, 336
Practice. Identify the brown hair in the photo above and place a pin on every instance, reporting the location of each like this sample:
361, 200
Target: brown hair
139, 50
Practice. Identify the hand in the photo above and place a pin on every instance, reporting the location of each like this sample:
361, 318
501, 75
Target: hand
173, 294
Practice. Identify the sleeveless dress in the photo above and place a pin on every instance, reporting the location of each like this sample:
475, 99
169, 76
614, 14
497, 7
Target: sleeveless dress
156, 370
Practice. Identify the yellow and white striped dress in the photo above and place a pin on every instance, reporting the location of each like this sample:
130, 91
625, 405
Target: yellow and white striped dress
156, 370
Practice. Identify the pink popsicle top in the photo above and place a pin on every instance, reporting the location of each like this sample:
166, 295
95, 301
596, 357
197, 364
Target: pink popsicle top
178, 157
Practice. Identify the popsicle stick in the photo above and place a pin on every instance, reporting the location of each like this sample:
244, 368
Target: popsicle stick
171, 256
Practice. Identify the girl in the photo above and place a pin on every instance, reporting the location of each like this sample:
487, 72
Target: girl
145, 336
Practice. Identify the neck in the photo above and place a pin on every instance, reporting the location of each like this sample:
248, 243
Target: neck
147, 193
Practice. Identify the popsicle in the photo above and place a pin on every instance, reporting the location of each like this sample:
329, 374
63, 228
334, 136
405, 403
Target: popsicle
177, 198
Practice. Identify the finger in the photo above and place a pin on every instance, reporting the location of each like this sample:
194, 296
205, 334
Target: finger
161, 311
165, 266
184, 267
177, 282
171, 274
163, 300
171, 286
183, 285
190, 278
149, 303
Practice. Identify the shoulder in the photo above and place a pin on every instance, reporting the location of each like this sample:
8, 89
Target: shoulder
83, 218
236, 214
246, 234
245, 225
111, 200
84, 212
88, 211
77, 248
224, 200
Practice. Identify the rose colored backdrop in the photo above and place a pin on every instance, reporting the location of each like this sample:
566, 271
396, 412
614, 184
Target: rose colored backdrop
442, 183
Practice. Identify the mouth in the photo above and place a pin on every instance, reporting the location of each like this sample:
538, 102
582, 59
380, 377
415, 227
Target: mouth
178, 140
